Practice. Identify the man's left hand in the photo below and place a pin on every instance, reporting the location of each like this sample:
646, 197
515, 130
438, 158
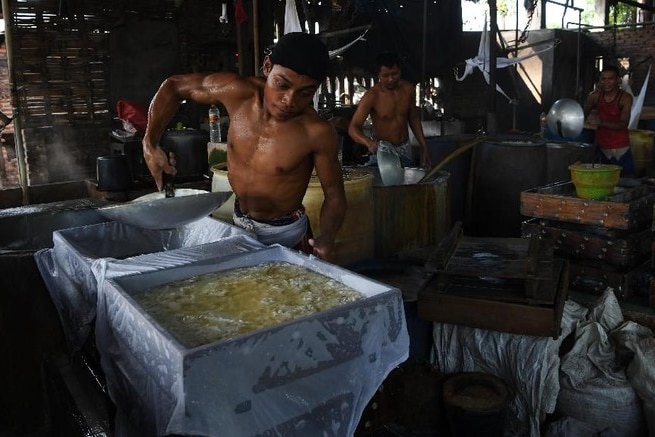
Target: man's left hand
426, 161
322, 247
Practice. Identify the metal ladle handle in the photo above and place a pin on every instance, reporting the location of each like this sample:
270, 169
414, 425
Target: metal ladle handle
169, 187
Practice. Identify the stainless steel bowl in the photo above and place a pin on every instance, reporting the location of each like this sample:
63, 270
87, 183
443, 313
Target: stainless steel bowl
566, 118
155, 211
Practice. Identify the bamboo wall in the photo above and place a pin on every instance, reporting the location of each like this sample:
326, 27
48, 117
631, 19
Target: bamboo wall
60, 60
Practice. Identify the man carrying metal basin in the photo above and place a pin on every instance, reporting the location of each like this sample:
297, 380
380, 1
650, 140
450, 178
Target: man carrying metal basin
391, 103
607, 110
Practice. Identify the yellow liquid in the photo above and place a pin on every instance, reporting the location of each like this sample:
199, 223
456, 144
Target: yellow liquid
220, 305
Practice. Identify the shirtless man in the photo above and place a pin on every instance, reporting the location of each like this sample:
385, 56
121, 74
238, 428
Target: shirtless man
276, 139
607, 110
391, 104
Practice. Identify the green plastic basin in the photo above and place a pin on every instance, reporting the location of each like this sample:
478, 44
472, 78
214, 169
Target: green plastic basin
595, 181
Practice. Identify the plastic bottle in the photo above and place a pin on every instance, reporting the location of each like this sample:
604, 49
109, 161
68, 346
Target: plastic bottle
214, 125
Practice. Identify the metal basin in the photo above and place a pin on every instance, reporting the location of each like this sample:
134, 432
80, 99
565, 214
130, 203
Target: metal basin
154, 211
566, 118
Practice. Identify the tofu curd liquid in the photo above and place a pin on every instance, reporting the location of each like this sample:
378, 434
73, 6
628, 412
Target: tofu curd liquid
221, 305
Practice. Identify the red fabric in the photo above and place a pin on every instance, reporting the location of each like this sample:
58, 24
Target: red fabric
610, 112
239, 12
134, 112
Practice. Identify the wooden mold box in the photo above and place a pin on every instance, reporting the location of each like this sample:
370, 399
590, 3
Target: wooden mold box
628, 208
510, 285
610, 247
593, 279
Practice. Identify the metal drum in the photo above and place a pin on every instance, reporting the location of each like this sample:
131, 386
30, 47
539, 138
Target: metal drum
355, 240
439, 148
642, 143
503, 168
561, 155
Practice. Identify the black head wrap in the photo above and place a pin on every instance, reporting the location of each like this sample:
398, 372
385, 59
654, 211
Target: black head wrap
303, 53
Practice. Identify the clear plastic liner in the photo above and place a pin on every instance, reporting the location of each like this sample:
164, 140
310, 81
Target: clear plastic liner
310, 376
67, 267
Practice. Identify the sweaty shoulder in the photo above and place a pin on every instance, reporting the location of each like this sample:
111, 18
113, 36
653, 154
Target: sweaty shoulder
231, 89
373, 92
318, 129
230, 81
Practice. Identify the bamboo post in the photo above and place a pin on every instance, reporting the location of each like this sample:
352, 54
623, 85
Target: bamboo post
18, 137
255, 32
240, 46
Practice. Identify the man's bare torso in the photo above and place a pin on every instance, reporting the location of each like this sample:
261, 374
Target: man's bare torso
269, 161
390, 112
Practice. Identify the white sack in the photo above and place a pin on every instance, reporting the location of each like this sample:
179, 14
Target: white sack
641, 370
593, 386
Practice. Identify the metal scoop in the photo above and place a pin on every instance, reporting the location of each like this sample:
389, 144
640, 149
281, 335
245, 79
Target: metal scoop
391, 170
169, 188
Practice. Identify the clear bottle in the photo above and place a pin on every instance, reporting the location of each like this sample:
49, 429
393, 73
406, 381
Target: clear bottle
214, 125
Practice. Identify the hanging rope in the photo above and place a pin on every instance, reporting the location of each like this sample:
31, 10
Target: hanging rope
530, 6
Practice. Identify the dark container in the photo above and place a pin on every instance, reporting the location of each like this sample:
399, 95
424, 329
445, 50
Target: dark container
441, 147
503, 168
134, 152
561, 155
475, 404
113, 173
190, 148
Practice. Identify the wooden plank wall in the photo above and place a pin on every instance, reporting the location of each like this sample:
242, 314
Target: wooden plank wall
61, 64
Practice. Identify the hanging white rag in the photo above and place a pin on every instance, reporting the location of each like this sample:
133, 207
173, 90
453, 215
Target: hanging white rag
291, 20
481, 60
638, 103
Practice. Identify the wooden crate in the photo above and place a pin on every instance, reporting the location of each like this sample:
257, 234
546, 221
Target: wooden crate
629, 208
488, 313
613, 247
510, 285
516, 269
594, 279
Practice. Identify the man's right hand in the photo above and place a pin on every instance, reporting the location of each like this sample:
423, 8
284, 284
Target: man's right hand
157, 163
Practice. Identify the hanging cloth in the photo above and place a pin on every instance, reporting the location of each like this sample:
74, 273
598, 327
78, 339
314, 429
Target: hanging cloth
291, 20
240, 12
481, 60
638, 103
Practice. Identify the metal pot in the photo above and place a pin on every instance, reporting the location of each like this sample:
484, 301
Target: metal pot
113, 173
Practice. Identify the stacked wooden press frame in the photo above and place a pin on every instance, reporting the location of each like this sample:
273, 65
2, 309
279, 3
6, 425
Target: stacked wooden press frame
607, 242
